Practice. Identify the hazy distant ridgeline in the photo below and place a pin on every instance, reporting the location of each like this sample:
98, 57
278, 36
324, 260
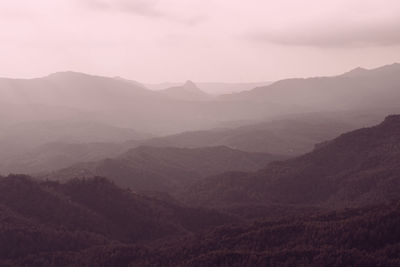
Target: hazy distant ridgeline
118, 102
189, 92
48, 146
166, 169
54, 156
357, 89
124, 103
212, 88
52, 146
292, 136
23, 144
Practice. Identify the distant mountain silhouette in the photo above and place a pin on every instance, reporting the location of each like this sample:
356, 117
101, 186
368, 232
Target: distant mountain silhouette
357, 168
118, 102
166, 169
71, 89
122, 103
213, 88
357, 89
188, 91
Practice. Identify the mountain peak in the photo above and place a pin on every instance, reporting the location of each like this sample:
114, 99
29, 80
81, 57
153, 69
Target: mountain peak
189, 85
355, 72
187, 91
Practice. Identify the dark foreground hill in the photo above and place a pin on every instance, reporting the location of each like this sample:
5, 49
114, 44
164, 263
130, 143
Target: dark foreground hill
38, 217
357, 168
166, 168
359, 237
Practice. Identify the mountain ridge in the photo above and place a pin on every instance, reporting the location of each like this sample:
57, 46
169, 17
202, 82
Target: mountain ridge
356, 168
166, 169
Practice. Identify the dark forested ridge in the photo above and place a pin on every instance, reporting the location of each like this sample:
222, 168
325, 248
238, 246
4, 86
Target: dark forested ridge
41, 217
94, 223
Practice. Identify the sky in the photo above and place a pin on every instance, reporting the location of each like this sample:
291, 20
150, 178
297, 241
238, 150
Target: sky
201, 40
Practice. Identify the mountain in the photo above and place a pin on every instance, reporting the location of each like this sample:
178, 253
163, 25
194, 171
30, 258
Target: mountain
291, 136
166, 169
357, 89
356, 168
188, 91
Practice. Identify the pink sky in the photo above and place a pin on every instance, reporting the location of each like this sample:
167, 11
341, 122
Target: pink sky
201, 40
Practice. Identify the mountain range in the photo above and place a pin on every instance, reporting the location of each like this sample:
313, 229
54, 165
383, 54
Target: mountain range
127, 104
299, 172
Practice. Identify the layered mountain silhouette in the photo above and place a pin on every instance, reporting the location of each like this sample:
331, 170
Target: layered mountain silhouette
357, 168
167, 169
273, 176
83, 222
